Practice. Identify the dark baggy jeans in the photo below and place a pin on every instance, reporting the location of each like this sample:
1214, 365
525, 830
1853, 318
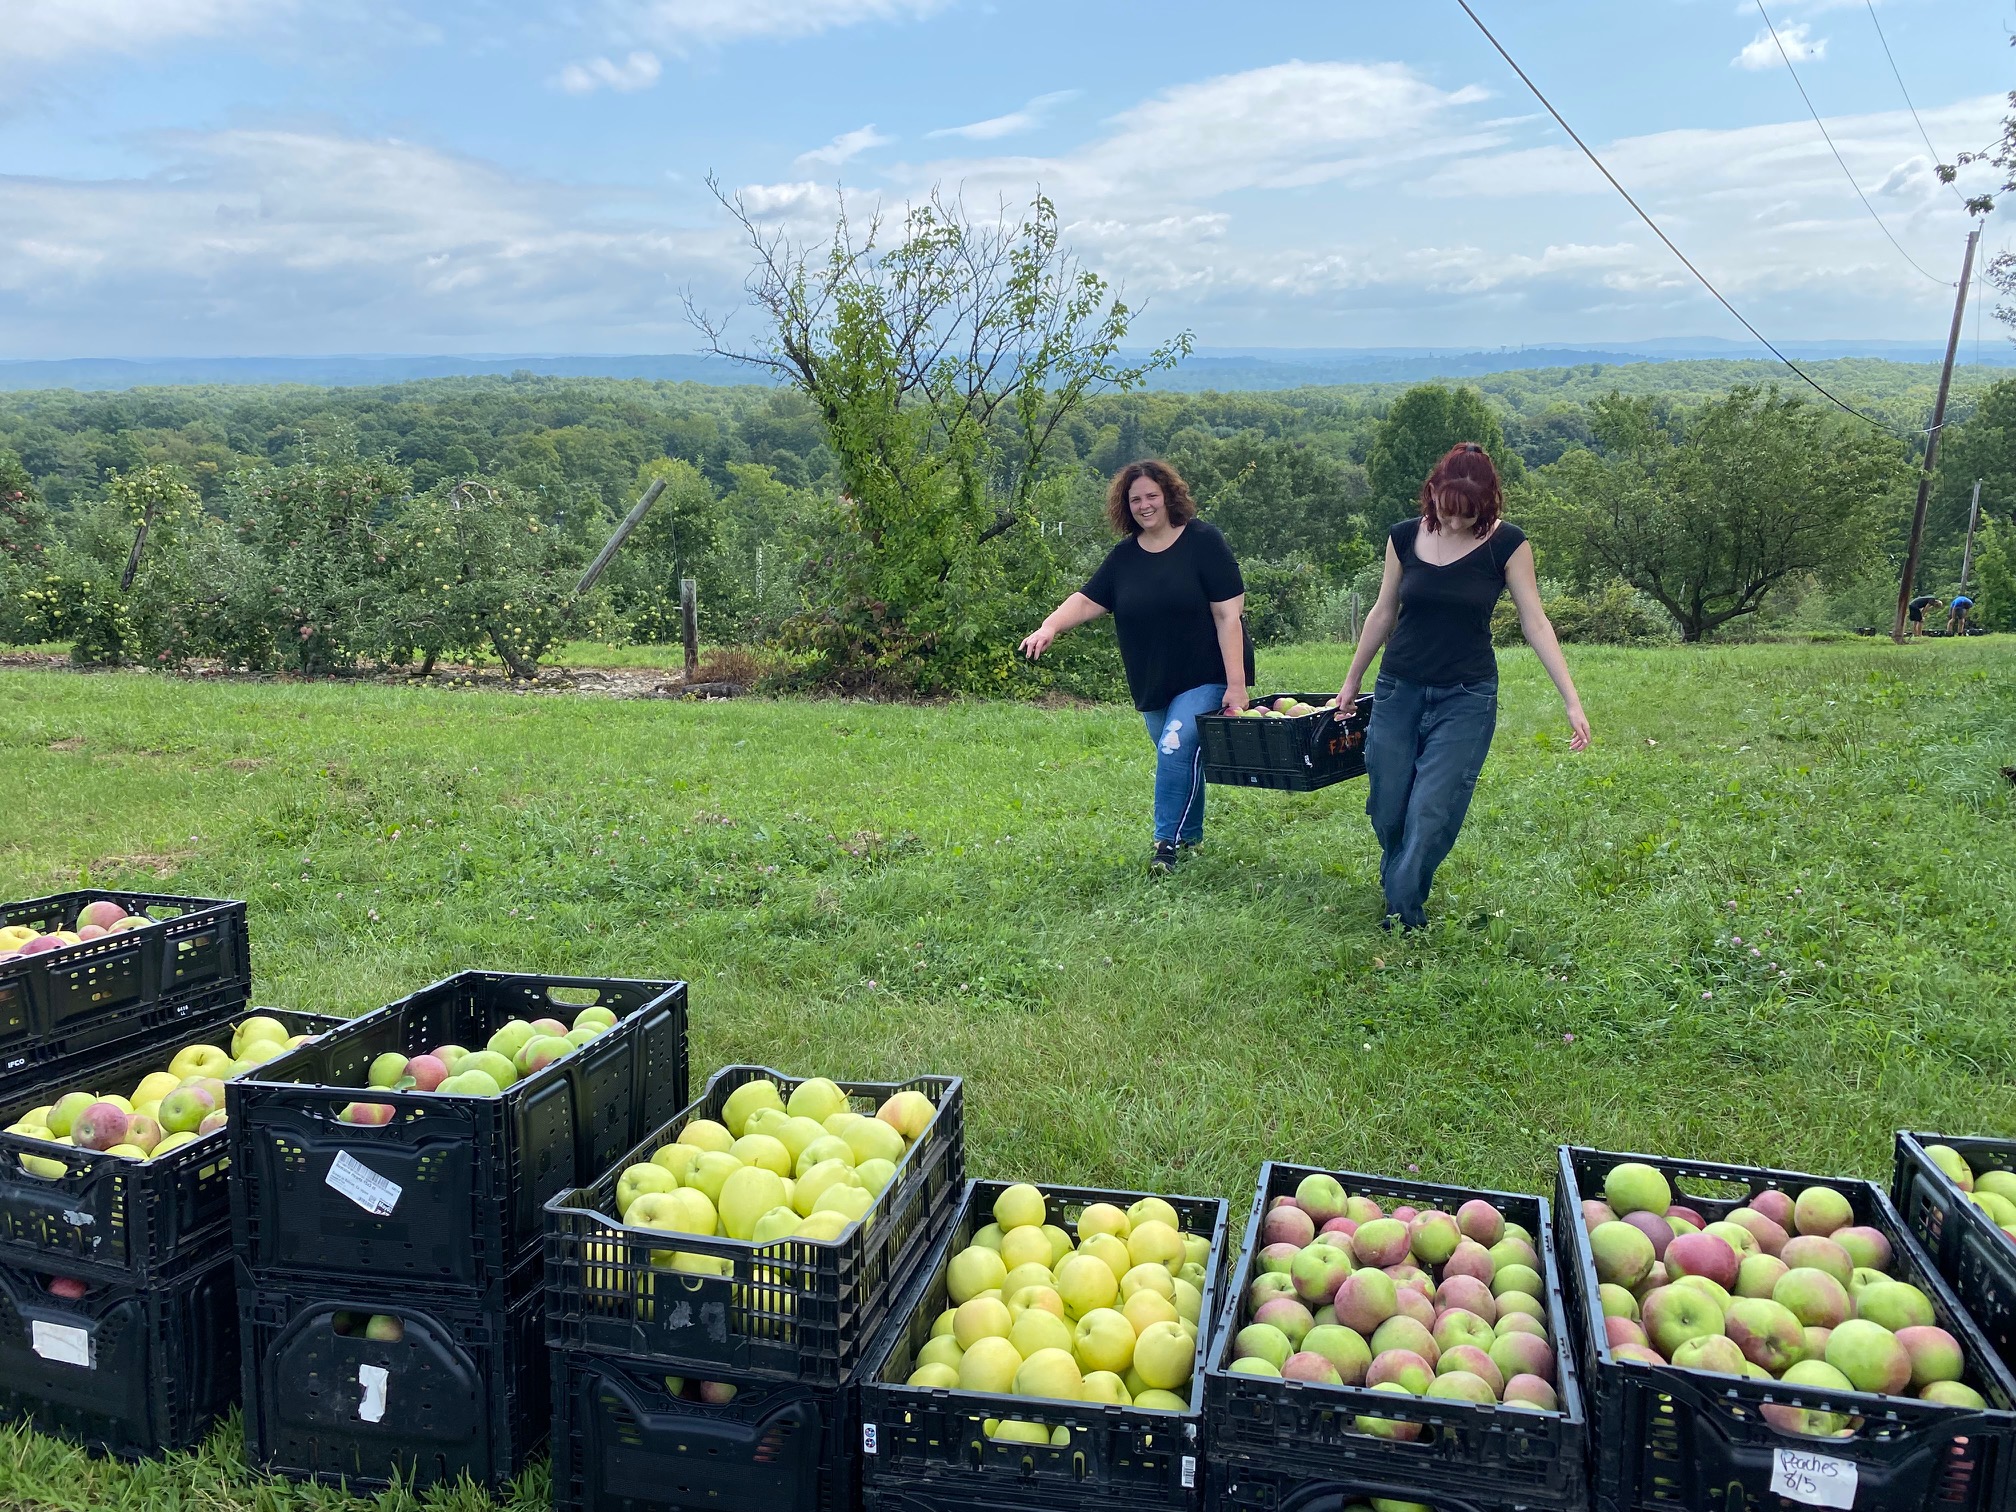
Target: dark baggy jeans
1422, 756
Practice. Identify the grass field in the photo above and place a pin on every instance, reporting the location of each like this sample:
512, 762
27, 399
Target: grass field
1768, 917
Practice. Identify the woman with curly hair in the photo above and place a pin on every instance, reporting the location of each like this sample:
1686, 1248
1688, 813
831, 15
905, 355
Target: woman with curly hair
1435, 705
1176, 597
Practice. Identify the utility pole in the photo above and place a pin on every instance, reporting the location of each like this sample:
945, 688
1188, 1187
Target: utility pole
1909, 584
1973, 520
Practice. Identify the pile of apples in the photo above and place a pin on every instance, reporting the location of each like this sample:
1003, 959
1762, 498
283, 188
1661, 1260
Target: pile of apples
1285, 707
1994, 1192
1416, 1302
1787, 1289
94, 921
514, 1052
770, 1169
1109, 1317
165, 1111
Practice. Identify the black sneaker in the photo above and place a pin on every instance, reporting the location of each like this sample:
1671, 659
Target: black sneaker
1164, 860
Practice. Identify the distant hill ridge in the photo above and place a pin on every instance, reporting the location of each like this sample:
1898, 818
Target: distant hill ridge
1223, 368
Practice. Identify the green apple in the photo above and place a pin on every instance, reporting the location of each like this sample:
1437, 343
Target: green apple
762, 1150
385, 1070
511, 1038
253, 1030
1104, 1340
875, 1175
1165, 1355
1050, 1373
499, 1067
597, 1015
853, 1201
682, 1211
199, 1060
706, 1134
745, 1100
746, 1195
779, 1223
813, 1184
636, 1180
817, 1099
975, 1270
64, 1113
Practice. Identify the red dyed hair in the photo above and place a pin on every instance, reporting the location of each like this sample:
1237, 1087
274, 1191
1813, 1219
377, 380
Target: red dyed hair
1466, 472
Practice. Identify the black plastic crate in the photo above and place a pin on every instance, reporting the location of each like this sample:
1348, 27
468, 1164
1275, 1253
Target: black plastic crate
1301, 1428
1294, 755
109, 1216
625, 1441
464, 1390
1970, 1251
463, 1178
1690, 1441
796, 1310
132, 1371
1236, 1485
61, 1002
928, 1444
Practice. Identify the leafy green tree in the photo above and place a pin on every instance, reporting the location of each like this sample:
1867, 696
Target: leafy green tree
26, 538
1709, 516
1277, 498
1983, 448
1418, 430
679, 538
1994, 582
943, 362
317, 525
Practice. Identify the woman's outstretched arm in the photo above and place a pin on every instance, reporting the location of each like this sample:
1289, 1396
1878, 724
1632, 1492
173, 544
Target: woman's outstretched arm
1539, 632
1074, 611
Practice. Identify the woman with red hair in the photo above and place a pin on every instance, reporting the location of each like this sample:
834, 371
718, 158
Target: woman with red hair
1435, 705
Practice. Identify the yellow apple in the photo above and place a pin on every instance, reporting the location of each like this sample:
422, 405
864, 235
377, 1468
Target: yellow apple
1152, 1207
909, 1113
824, 1227
796, 1133
253, 1030
710, 1173
1196, 1250
746, 1196
1111, 1252
1026, 1244
1102, 1218
1014, 1432
1086, 1283
989, 1237
680, 1211
990, 1366
1061, 1244
778, 1223
1018, 1205
1050, 1373
678, 1159
817, 1099
1104, 1386
1159, 1401
1031, 1293
1189, 1301
746, 1099
826, 1147
812, 1184
974, 1270
981, 1318
154, 1086
705, 1134
1037, 1330
940, 1350
1164, 1354
872, 1139
943, 1327
762, 1150
198, 1060
941, 1377
1146, 1307
1150, 1276
853, 1201
1155, 1243
636, 1180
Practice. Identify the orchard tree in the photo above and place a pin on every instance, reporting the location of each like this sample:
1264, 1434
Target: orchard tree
943, 357
1418, 430
1709, 516
1984, 449
26, 608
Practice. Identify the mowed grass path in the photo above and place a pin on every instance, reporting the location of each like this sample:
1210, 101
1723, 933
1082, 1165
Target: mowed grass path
873, 891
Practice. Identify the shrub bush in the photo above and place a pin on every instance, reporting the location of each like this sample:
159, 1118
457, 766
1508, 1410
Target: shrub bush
1612, 615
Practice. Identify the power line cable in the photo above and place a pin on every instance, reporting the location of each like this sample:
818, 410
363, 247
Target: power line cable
1898, 75
1560, 120
1829, 136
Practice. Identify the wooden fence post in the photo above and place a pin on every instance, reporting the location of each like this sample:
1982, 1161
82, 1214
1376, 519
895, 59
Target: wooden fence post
689, 619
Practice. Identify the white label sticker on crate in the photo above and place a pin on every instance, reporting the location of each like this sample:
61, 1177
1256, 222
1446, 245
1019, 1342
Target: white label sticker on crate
868, 1438
62, 1343
1189, 1472
1813, 1480
362, 1185
371, 1405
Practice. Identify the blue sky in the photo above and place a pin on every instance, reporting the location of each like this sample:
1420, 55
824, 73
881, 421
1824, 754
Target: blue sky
241, 177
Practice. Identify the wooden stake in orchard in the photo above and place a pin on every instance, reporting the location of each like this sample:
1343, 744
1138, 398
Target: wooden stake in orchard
1907, 587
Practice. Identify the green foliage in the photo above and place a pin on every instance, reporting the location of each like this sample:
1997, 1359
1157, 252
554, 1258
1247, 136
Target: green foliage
1612, 614
679, 538
1283, 600
942, 365
26, 540
474, 570
1985, 449
1993, 587
1709, 513
317, 529
1418, 430
1275, 497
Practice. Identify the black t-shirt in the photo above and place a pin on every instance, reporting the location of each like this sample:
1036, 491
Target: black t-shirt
1161, 606
1920, 604
1443, 635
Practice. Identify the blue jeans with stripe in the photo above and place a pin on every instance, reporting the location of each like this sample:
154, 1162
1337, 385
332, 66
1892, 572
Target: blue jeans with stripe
1179, 762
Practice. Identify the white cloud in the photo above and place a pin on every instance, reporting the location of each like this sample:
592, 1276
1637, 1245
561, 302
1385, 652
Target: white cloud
847, 145
638, 71
995, 127
255, 241
1799, 46
48, 31
682, 26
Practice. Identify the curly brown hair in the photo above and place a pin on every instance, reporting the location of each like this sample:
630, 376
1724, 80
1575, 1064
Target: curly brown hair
1175, 495
1466, 472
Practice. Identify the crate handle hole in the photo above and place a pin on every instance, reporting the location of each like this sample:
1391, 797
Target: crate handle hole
573, 997
1707, 1189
